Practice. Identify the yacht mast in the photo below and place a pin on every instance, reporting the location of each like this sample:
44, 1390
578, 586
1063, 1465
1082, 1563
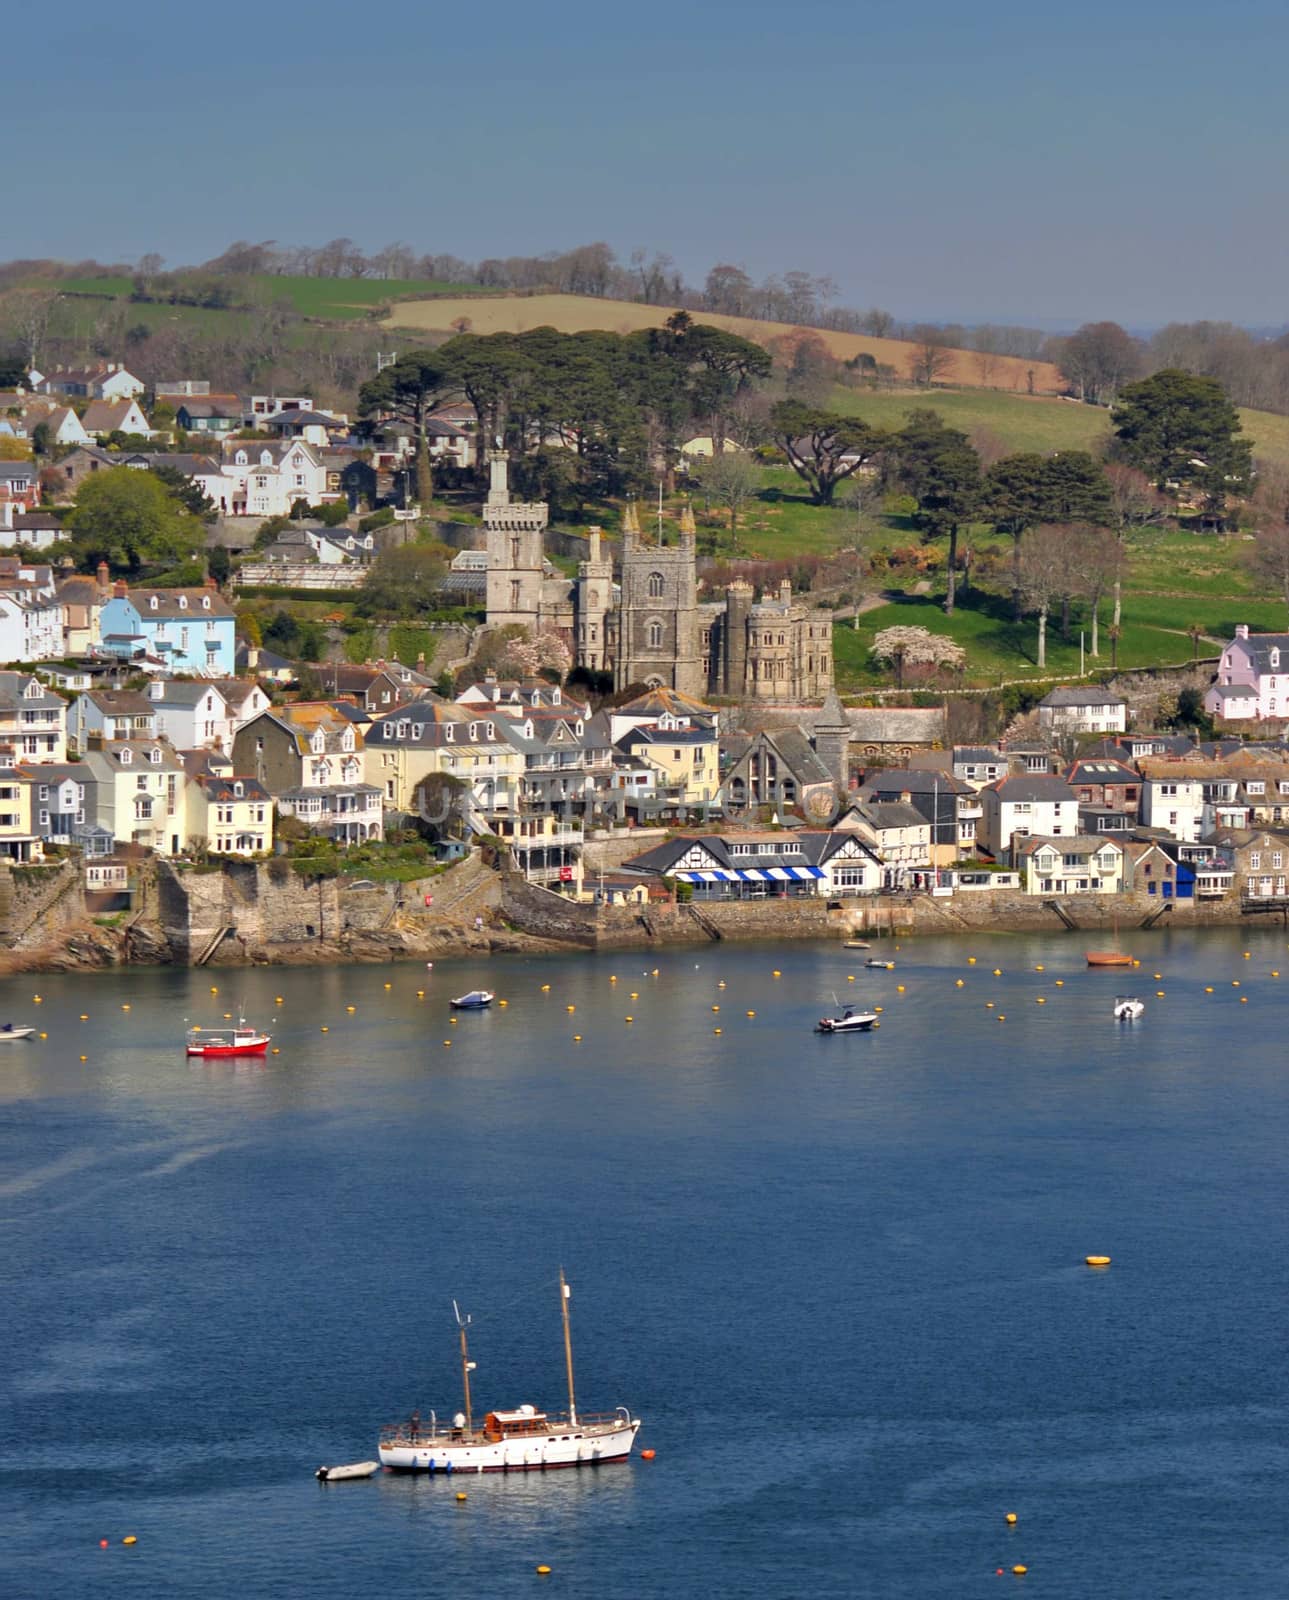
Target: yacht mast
564, 1293
467, 1366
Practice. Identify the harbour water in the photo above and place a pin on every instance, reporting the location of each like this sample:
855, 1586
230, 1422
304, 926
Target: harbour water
840, 1279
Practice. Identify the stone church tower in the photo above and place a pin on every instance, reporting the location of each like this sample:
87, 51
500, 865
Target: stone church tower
592, 604
515, 556
658, 632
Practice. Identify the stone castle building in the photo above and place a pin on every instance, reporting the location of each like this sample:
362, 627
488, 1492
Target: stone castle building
649, 626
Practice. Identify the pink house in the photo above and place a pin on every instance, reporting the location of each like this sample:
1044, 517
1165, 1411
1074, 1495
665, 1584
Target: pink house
1252, 682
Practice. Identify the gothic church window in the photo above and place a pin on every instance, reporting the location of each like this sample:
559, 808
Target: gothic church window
654, 632
655, 586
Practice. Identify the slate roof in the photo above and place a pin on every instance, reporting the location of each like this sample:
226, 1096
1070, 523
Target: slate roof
888, 814
1031, 786
801, 847
1082, 697
1094, 769
1259, 647
178, 692
900, 725
220, 789
905, 780
168, 605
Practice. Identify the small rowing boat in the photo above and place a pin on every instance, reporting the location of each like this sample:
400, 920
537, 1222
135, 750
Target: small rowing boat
355, 1469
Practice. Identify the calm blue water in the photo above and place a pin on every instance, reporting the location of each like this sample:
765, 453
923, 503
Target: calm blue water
841, 1280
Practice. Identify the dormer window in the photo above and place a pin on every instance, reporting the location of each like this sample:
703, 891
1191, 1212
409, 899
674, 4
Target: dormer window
127, 756
1275, 657
389, 730
239, 789
402, 730
577, 727
240, 459
449, 731
418, 730
555, 699
154, 756
205, 602
152, 603
474, 732
492, 730
183, 602
266, 458
318, 744
34, 691
347, 739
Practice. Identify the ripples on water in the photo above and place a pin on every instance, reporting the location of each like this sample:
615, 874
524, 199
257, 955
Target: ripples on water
840, 1279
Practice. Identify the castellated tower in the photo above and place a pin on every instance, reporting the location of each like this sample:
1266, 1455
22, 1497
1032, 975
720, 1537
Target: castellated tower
658, 621
514, 550
733, 666
593, 599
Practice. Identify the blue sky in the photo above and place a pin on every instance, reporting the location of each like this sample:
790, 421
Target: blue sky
998, 161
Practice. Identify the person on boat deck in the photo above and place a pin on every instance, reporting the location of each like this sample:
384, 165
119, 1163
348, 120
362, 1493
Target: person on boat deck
416, 1426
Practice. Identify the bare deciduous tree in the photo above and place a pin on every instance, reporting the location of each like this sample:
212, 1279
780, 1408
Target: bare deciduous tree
932, 356
731, 478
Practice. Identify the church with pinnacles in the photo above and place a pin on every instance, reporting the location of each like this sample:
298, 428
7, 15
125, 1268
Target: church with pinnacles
646, 624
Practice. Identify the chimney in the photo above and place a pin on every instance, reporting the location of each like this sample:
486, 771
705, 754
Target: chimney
252, 657
120, 588
104, 577
420, 660
210, 582
1241, 630
785, 591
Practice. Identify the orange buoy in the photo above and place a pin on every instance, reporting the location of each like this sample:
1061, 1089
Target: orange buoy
647, 1455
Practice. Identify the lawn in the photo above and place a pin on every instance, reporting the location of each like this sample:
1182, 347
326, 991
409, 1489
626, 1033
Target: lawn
330, 299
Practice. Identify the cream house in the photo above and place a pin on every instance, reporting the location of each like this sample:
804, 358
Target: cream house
135, 789
1083, 864
407, 745
230, 816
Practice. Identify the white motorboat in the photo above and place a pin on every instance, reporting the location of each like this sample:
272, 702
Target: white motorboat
522, 1439
8, 1033
857, 944
475, 1000
886, 966
1127, 1008
850, 1021
355, 1469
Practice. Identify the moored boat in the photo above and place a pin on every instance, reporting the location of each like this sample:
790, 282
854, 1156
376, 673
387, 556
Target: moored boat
214, 1043
850, 1021
1127, 1008
857, 944
522, 1439
475, 1000
1108, 958
355, 1469
8, 1033
886, 966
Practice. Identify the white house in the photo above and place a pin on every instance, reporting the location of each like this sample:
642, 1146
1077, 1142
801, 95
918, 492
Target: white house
108, 380
33, 720
62, 424
104, 417
262, 478
1017, 807
1252, 680
111, 714
193, 716
1079, 710
1172, 798
31, 617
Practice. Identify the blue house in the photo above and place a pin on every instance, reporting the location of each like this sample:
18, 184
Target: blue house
191, 630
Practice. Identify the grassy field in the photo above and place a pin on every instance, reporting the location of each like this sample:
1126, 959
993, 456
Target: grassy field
1020, 422
330, 299
572, 313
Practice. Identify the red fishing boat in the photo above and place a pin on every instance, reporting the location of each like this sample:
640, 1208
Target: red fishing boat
238, 1041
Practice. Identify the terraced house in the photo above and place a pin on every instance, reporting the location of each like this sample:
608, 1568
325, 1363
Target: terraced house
193, 631
309, 756
33, 720
427, 737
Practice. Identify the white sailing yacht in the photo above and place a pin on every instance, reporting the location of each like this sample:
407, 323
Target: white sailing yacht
522, 1439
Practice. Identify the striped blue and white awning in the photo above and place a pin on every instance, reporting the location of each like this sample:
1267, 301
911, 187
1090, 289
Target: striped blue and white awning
754, 875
